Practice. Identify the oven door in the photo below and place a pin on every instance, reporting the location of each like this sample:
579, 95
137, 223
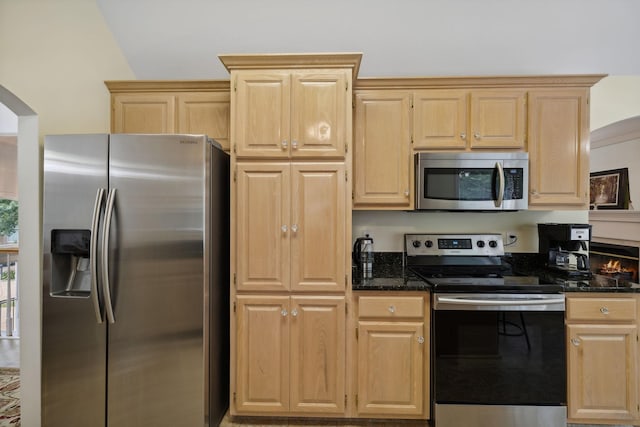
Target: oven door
494, 354
464, 182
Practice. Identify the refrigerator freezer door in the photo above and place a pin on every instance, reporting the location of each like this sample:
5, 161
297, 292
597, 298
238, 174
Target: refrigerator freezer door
156, 372
73, 342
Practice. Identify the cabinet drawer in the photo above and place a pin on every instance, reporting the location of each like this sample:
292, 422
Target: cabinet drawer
391, 307
613, 309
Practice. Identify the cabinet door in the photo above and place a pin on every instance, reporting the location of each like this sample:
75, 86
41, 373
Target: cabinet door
261, 114
498, 119
321, 102
143, 113
440, 119
383, 172
205, 113
262, 356
318, 227
558, 149
602, 372
317, 355
263, 226
391, 364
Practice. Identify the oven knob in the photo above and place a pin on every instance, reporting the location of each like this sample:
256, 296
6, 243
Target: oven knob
480, 243
493, 243
428, 243
416, 243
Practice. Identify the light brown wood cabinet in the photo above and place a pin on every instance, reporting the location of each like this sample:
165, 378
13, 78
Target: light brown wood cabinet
143, 113
291, 114
171, 107
291, 355
393, 355
383, 162
559, 149
456, 119
290, 235
544, 115
602, 350
291, 226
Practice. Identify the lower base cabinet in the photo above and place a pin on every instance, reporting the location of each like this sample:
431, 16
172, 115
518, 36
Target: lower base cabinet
392, 356
290, 356
602, 349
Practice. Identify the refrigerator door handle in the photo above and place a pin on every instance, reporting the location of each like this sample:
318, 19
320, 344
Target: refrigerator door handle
106, 288
93, 254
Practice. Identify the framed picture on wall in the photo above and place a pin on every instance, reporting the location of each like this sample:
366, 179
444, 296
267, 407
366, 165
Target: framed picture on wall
609, 189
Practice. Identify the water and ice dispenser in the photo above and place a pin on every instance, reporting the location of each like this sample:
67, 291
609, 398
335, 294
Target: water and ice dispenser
70, 266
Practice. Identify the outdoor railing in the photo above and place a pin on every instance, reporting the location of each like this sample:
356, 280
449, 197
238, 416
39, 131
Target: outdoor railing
9, 291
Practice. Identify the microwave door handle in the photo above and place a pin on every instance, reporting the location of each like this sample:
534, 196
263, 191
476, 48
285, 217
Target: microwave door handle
500, 195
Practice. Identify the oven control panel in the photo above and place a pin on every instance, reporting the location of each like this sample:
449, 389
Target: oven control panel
454, 244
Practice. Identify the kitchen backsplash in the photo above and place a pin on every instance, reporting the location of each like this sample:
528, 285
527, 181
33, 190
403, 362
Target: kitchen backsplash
388, 227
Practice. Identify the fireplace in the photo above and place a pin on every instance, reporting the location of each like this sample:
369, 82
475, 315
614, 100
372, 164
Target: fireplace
614, 263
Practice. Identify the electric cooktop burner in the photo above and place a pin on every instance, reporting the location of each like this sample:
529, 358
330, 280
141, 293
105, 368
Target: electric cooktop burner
467, 263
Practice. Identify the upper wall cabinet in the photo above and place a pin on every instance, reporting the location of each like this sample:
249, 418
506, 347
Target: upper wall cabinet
171, 107
446, 119
143, 113
383, 167
559, 149
547, 116
283, 114
292, 106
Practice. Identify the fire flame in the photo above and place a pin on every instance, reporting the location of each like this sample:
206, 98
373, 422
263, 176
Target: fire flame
614, 266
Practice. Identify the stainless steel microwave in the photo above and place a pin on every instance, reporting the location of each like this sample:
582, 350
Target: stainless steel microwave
494, 181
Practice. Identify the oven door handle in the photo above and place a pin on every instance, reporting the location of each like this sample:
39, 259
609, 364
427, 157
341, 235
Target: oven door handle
468, 301
498, 303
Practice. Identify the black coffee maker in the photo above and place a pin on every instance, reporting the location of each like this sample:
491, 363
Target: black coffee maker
560, 244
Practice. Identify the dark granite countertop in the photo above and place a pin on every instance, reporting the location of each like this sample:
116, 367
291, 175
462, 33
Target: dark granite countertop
389, 274
594, 286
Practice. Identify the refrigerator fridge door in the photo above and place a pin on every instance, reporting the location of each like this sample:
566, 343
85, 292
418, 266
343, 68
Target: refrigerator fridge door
73, 339
156, 271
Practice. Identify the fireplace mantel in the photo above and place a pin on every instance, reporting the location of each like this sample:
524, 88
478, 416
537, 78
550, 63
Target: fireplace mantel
620, 227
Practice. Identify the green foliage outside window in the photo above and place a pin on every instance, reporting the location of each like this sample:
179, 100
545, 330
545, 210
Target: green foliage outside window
8, 217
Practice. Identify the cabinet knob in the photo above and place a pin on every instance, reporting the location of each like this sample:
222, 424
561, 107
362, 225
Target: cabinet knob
463, 136
534, 193
284, 312
294, 144
604, 310
294, 228
420, 340
476, 135
575, 341
392, 309
284, 144
294, 312
406, 193
284, 228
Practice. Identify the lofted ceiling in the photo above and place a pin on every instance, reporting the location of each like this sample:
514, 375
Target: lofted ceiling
171, 39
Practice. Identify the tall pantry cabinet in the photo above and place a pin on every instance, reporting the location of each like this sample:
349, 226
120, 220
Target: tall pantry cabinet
291, 232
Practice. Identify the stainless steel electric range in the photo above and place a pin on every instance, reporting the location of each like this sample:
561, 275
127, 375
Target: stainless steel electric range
498, 343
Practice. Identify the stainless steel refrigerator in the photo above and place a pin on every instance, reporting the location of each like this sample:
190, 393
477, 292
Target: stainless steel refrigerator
135, 281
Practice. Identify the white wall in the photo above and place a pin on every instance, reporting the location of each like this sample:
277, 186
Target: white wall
8, 121
614, 98
622, 155
408, 37
54, 56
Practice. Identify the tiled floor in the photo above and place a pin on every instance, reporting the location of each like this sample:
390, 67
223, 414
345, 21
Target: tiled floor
282, 422
9, 353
